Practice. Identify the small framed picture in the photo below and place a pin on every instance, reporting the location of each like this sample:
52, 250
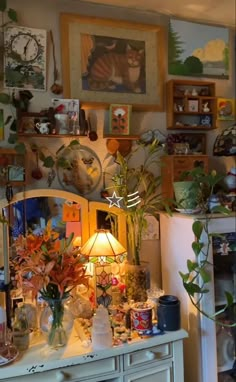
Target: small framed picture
16, 173
66, 115
193, 105
119, 119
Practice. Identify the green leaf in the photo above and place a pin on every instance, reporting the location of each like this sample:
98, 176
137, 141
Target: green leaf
20, 148
206, 278
63, 163
191, 265
48, 162
197, 247
197, 228
184, 276
221, 210
75, 142
3, 5
229, 298
192, 288
12, 15
12, 138
5, 98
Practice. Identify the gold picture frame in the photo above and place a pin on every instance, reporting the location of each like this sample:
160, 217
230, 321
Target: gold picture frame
87, 39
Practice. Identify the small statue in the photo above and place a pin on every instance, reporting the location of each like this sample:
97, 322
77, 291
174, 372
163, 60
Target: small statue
194, 92
205, 107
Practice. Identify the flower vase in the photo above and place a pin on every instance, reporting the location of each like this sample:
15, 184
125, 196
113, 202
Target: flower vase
56, 322
137, 282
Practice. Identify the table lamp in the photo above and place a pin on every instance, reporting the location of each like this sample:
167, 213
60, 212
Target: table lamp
103, 250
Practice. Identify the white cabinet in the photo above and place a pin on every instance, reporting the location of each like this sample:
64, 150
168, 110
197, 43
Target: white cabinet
200, 349
158, 358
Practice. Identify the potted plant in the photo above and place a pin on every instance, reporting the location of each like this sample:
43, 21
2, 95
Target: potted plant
197, 277
141, 183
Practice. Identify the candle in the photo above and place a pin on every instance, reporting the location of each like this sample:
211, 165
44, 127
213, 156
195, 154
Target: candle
6, 253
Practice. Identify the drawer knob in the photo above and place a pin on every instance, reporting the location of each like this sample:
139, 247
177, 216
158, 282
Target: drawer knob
150, 355
61, 376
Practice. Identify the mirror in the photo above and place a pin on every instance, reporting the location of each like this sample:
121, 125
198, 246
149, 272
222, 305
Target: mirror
65, 211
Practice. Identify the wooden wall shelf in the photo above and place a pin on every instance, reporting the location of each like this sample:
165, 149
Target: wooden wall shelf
191, 105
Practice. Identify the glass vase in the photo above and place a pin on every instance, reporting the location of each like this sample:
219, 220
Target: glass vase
56, 322
137, 280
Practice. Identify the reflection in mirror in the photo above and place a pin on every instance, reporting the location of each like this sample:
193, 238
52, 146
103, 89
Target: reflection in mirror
65, 212
107, 220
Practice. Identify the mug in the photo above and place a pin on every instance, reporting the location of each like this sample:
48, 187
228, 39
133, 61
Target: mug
141, 319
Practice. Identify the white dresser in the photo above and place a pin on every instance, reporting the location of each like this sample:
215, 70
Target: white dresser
158, 358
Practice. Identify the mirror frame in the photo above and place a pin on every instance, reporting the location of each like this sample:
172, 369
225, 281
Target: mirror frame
88, 211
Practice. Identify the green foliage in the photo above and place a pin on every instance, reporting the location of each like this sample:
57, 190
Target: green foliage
140, 178
196, 280
194, 65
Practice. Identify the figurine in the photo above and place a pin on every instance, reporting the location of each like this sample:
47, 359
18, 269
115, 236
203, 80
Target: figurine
205, 107
180, 107
194, 92
43, 127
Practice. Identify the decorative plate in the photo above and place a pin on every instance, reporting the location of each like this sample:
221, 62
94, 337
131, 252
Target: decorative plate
8, 354
84, 171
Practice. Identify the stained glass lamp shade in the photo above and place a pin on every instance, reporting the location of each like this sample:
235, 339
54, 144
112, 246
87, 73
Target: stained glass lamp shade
225, 143
103, 248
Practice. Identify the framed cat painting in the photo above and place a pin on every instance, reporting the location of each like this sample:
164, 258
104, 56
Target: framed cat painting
102, 66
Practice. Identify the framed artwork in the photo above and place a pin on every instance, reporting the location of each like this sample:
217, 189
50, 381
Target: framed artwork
119, 119
101, 65
226, 109
25, 58
66, 115
16, 173
198, 50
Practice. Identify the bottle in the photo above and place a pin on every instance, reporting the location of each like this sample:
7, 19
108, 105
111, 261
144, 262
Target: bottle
20, 329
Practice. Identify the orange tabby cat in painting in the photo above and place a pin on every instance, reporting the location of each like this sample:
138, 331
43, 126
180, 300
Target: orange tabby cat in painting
113, 69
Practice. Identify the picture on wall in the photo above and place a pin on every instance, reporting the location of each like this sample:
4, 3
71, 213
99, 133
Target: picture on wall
25, 58
198, 50
226, 109
119, 116
111, 61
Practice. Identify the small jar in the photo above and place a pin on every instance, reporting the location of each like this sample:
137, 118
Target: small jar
20, 329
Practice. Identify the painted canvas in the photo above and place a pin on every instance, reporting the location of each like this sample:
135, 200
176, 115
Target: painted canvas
198, 50
120, 119
226, 109
113, 64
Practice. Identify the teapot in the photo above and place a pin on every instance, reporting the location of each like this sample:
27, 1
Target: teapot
43, 127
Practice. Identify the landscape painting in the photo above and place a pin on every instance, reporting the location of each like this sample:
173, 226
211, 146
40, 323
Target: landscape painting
198, 50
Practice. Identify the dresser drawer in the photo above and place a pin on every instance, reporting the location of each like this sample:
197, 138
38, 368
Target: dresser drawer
73, 373
146, 356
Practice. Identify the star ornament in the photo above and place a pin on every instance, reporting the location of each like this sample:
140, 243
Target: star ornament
114, 200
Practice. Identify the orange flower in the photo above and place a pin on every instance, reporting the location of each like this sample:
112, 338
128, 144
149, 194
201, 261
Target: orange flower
48, 265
